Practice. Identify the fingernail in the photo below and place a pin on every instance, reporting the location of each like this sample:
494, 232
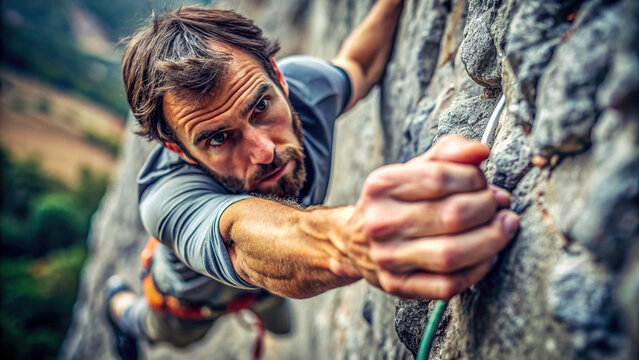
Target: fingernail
500, 193
511, 223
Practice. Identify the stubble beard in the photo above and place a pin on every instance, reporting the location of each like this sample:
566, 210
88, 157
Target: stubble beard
287, 186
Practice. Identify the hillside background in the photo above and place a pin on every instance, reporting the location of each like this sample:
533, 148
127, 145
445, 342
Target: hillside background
62, 120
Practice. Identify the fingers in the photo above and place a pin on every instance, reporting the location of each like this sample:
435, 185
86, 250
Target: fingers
501, 196
457, 213
424, 181
456, 149
448, 253
431, 285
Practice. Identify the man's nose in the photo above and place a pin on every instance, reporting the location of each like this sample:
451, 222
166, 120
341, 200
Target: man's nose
261, 147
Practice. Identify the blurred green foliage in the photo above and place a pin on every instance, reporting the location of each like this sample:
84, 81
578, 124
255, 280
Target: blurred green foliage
123, 17
43, 222
37, 298
53, 58
109, 143
37, 38
43, 227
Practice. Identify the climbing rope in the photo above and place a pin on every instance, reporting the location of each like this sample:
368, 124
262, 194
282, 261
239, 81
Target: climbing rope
423, 352
431, 328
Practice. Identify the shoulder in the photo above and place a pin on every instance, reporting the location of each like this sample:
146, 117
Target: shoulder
165, 169
314, 79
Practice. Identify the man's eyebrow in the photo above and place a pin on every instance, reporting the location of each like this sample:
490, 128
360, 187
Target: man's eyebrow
258, 96
206, 134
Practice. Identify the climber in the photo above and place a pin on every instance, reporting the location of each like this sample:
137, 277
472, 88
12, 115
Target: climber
246, 152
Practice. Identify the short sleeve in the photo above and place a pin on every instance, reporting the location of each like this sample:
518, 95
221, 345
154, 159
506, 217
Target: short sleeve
182, 208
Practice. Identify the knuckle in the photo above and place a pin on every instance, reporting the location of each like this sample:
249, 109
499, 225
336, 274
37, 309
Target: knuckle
379, 180
379, 222
373, 183
378, 226
437, 177
478, 178
380, 256
448, 289
388, 283
452, 216
447, 258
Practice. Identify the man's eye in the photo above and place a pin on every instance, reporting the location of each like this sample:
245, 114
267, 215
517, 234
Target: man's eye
218, 139
262, 105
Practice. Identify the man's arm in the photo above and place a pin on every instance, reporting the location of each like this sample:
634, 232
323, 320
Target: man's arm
366, 50
425, 229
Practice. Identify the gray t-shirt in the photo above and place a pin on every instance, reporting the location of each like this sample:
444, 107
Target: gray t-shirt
181, 205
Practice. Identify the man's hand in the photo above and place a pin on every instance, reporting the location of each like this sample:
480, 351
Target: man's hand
429, 228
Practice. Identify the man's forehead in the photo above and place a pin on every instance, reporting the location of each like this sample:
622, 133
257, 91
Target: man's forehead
239, 79
229, 82
240, 64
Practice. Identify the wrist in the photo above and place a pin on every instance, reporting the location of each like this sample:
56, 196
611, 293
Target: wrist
329, 225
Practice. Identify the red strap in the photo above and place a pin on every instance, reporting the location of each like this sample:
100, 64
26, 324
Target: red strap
240, 303
258, 347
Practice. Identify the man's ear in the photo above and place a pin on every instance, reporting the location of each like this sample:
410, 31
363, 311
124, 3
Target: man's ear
178, 150
280, 77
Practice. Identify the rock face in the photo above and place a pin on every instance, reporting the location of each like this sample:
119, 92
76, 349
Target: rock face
567, 286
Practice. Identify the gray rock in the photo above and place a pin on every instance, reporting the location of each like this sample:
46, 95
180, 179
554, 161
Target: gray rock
579, 292
566, 103
580, 295
478, 52
412, 66
608, 223
418, 135
535, 31
511, 155
467, 116
115, 242
524, 194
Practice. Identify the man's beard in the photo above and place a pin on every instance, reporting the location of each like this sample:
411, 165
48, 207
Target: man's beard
288, 185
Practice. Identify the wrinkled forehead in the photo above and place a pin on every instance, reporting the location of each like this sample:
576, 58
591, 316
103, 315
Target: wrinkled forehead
240, 65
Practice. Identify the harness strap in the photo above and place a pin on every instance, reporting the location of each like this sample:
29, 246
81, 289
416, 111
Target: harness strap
239, 304
166, 303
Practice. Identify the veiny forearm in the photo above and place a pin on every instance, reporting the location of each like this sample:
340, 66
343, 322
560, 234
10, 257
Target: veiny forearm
284, 249
370, 44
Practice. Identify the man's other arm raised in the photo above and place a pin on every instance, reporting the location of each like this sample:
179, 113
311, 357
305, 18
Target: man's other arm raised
365, 52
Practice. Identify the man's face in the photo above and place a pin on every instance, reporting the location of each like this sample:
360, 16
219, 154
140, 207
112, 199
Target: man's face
244, 134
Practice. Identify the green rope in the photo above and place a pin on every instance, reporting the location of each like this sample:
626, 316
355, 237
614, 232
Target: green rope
431, 328
440, 305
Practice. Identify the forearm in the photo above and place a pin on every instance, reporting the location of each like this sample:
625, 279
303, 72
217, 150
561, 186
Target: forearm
283, 249
365, 52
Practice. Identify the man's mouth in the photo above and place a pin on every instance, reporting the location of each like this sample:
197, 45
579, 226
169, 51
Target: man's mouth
275, 174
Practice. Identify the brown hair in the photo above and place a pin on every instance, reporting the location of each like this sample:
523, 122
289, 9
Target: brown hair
173, 53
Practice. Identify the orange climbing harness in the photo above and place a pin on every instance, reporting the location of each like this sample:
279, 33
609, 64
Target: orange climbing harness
170, 304
166, 303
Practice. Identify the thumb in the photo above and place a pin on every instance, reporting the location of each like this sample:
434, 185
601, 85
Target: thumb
457, 149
